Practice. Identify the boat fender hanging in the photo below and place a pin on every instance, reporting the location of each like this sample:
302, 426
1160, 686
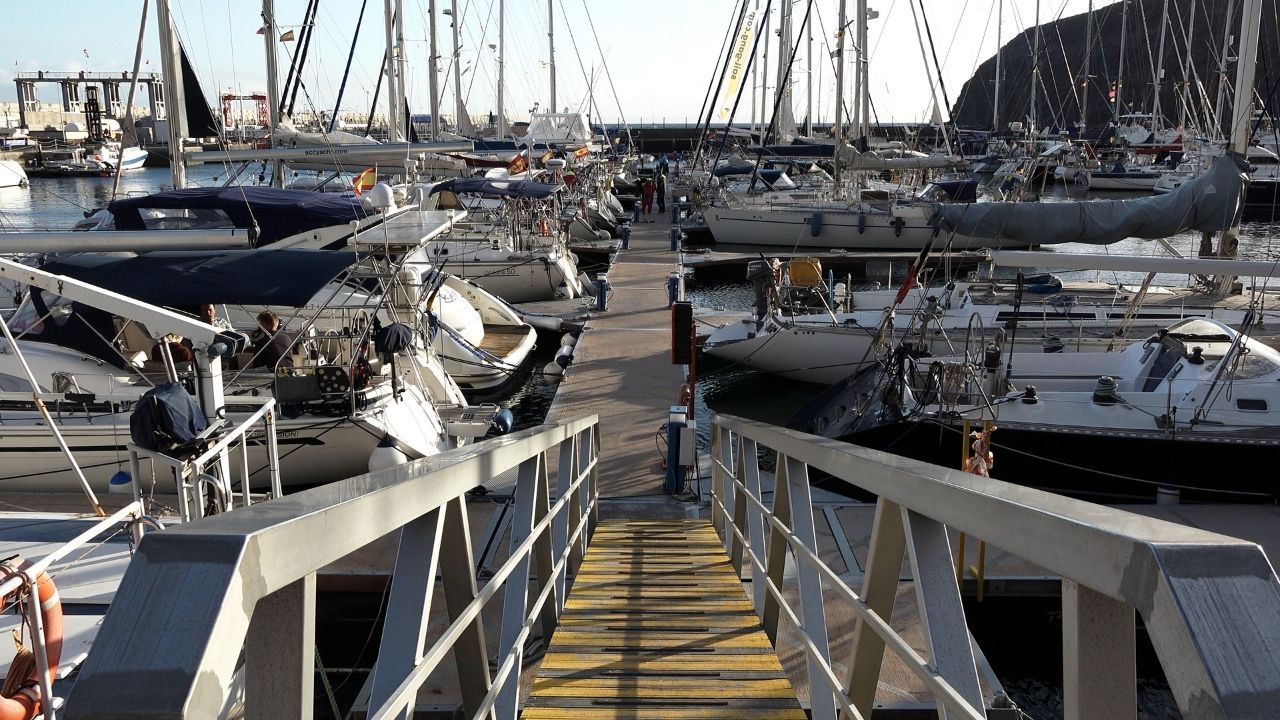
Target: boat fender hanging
815, 224
544, 227
564, 356
386, 455
862, 223
897, 224
21, 695
503, 421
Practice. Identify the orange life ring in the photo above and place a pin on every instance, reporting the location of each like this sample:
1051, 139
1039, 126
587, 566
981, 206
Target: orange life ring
25, 703
544, 227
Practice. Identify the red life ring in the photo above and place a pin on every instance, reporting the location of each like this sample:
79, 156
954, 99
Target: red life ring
25, 704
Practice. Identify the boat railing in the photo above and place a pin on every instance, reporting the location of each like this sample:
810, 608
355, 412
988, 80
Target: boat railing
28, 577
240, 588
1202, 596
195, 487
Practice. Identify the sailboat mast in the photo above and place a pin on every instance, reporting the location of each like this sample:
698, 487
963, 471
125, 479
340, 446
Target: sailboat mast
855, 116
1124, 32
808, 104
1222, 68
1190, 33
502, 32
551, 51
402, 103
1085, 84
1157, 118
995, 102
175, 101
130, 136
389, 67
458, 110
764, 78
273, 83
1241, 115
864, 62
837, 129
432, 80
1035, 75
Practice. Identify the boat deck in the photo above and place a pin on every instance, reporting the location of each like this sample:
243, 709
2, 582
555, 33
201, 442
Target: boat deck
500, 340
657, 625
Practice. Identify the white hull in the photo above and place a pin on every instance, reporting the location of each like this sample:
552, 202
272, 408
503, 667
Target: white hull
12, 174
132, 158
519, 276
907, 228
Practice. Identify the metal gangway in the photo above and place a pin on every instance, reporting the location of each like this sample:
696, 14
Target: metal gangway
218, 616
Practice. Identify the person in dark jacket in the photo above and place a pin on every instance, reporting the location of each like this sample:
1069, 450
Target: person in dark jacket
660, 191
270, 343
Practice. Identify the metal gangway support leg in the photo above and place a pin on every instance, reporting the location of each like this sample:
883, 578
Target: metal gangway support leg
657, 623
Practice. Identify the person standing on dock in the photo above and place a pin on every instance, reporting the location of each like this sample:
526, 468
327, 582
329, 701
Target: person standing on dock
660, 189
647, 195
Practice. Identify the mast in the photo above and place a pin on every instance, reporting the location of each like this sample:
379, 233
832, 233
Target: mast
273, 83
551, 50
995, 102
389, 67
175, 100
855, 115
764, 79
1241, 115
1124, 32
864, 61
837, 130
432, 79
1189, 35
808, 104
784, 121
1222, 67
1035, 76
502, 20
1156, 116
458, 110
402, 102
1084, 82
130, 137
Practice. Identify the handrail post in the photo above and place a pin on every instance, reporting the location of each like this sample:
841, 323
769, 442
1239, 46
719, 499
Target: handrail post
530, 481
755, 523
566, 472
413, 581
813, 614
879, 590
457, 569
543, 553
938, 601
280, 653
721, 449
1099, 657
776, 565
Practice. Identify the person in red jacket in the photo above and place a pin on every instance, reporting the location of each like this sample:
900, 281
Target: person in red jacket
648, 195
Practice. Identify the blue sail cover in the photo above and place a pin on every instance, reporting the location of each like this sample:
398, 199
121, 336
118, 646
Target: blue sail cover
499, 188
188, 279
277, 213
1210, 202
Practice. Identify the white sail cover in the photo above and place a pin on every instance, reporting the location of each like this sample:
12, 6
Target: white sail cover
1211, 202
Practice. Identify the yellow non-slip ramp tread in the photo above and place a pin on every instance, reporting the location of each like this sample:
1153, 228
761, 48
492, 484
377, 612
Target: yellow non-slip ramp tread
657, 625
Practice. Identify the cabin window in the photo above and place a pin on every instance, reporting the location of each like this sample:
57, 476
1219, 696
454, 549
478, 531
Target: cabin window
13, 383
185, 219
1255, 365
1251, 404
1163, 363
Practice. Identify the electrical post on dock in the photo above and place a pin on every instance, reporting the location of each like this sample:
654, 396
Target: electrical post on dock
681, 424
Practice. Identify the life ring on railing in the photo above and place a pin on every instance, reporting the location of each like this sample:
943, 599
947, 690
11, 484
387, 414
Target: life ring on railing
21, 693
544, 227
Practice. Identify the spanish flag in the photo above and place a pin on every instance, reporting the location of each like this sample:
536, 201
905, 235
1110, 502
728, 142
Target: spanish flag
518, 164
581, 152
364, 181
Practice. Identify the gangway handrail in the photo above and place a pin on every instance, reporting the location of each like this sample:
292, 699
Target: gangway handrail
201, 596
1210, 603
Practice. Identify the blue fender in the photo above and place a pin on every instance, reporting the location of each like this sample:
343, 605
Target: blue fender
862, 223
815, 224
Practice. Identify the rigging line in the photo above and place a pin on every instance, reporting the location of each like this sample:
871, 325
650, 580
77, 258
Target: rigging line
300, 59
937, 66
346, 71
607, 75
708, 100
478, 67
573, 40
780, 96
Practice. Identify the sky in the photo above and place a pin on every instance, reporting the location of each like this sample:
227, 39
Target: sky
646, 62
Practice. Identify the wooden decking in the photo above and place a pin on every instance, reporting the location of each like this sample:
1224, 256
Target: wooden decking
657, 625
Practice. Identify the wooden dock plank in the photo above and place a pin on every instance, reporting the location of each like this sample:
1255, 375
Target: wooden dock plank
657, 625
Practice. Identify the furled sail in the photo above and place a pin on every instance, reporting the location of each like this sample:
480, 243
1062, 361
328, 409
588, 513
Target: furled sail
1211, 202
